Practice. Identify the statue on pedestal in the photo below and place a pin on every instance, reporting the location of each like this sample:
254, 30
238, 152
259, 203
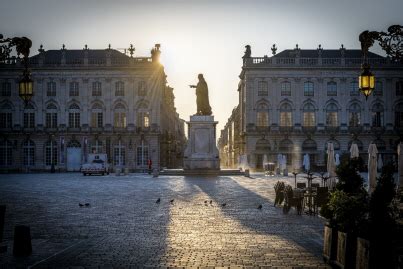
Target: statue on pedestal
202, 101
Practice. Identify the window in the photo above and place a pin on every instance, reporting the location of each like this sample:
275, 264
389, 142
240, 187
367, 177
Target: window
399, 88
29, 116
142, 88
377, 115
262, 88
399, 115
51, 116
96, 116
6, 89
119, 119
51, 153
309, 115
119, 88
331, 88
6, 153
29, 152
96, 146
308, 88
285, 115
119, 153
378, 88
332, 115
142, 155
354, 91
143, 119
96, 88
74, 90
354, 115
286, 89
262, 116
6, 116
74, 116
51, 89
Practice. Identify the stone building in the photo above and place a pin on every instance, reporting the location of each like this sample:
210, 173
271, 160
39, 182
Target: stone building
296, 101
228, 143
87, 101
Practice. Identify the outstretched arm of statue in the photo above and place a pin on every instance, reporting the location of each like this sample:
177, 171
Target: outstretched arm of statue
192, 86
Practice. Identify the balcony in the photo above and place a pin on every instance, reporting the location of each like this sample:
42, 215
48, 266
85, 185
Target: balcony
309, 129
96, 129
332, 129
286, 129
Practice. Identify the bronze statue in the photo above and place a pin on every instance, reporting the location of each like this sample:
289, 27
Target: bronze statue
203, 105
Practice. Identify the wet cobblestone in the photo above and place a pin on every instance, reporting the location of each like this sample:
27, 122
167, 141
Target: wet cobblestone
124, 226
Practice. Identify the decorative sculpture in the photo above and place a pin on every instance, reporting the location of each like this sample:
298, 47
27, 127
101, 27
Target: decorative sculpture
202, 100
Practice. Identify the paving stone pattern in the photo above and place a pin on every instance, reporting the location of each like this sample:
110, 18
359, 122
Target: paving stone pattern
125, 227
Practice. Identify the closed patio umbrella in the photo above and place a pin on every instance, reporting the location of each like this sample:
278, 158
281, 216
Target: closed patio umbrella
306, 162
279, 160
284, 162
354, 152
331, 165
372, 166
380, 163
337, 159
265, 161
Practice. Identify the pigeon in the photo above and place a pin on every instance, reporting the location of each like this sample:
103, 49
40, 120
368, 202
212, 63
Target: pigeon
80, 204
259, 207
172, 201
211, 201
224, 204
158, 200
87, 204
205, 202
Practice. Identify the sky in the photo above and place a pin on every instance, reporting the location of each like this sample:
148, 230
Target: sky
206, 36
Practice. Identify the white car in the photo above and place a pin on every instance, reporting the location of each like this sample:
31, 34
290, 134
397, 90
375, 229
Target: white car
97, 164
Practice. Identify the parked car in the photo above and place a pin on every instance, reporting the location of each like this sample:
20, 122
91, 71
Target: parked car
97, 164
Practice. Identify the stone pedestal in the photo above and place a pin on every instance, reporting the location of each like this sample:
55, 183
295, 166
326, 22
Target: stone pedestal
201, 151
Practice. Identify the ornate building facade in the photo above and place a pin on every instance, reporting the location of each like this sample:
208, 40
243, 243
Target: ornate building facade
88, 101
298, 100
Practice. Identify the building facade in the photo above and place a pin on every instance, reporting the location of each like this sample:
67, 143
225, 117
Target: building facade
87, 101
296, 101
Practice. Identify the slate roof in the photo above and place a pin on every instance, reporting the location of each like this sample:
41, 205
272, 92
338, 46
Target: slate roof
336, 53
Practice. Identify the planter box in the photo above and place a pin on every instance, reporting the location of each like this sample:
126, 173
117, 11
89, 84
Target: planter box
329, 244
346, 250
362, 259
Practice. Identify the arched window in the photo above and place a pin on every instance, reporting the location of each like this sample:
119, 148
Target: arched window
51, 153
263, 145
285, 115
332, 88
262, 116
308, 89
309, 115
74, 116
29, 116
51, 116
119, 118
399, 115
355, 115
28, 148
377, 115
6, 152
120, 88
286, 88
262, 89
336, 144
6, 116
142, 88
332, 115
96, 88
358, 142
97, 116
309, 145
51, 88
143, 116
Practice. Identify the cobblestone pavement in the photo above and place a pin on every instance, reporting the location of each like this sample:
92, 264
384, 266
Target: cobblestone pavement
124, 226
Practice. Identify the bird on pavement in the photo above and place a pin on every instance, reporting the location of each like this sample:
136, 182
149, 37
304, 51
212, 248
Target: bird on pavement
205, 202
211, 201
224, 204
87, 204
158, 200
80, 205
172, 201
259, 207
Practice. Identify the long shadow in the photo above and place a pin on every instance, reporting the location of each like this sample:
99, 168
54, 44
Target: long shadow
241, 205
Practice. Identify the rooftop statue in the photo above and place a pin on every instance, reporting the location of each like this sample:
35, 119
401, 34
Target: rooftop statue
202, 101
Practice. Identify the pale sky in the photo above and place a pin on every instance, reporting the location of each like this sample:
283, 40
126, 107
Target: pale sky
206, 36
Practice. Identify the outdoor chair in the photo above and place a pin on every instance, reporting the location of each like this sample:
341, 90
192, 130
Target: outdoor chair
301, 185
293, 198
279, 189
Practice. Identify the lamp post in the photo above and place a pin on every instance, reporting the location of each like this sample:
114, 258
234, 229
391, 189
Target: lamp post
390, 42
22, 46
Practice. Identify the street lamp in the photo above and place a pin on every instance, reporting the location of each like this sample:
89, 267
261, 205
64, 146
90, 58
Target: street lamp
391, 43
22, 46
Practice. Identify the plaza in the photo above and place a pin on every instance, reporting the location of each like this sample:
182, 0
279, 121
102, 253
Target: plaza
123, 225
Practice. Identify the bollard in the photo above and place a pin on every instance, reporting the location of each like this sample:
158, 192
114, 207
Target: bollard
126, 171
247, 173
22, 241
156, 173
117, 171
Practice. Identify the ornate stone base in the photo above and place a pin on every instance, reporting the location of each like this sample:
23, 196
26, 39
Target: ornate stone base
201, 151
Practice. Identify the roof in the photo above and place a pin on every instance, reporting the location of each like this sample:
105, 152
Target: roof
335, 53
79, 54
